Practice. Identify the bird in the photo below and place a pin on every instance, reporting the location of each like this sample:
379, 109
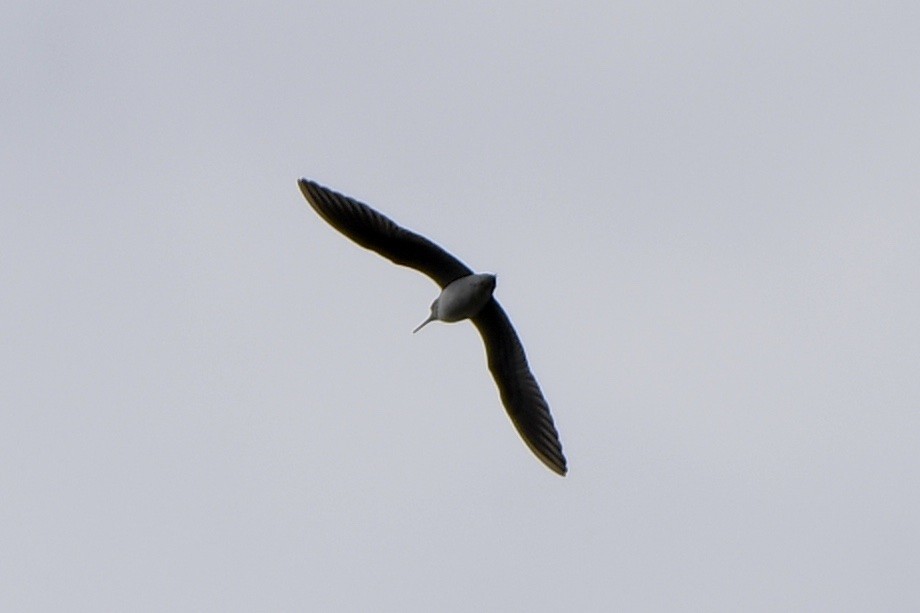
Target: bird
464, 295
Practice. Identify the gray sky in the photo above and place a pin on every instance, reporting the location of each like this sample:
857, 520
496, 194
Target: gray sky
705, 222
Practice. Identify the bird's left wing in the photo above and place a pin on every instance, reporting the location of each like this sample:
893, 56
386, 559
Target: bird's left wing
374, 231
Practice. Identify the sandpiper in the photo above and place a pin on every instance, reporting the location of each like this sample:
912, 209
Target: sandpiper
464, 295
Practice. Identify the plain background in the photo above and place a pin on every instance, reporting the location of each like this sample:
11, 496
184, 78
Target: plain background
704, 219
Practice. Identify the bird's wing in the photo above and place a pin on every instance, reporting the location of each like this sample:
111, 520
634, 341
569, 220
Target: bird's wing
519, 390
373, 231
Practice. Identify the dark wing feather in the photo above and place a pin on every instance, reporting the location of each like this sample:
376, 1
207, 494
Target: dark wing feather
373, 231
519, 390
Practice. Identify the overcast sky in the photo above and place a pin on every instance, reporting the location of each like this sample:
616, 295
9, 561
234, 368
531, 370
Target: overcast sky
705, 221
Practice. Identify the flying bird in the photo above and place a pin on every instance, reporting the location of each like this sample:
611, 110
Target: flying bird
464, 295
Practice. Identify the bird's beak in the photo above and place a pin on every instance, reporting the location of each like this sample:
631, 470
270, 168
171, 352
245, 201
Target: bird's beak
430, 319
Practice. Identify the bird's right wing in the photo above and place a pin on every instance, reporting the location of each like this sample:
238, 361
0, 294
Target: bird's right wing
519, 390
373, 231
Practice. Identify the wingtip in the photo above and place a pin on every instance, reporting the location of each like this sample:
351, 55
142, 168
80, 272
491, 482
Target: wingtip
560, 469
552, 459
309, 190
555, 461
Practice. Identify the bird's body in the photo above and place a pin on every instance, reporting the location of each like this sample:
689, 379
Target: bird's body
464, 295
461, 299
